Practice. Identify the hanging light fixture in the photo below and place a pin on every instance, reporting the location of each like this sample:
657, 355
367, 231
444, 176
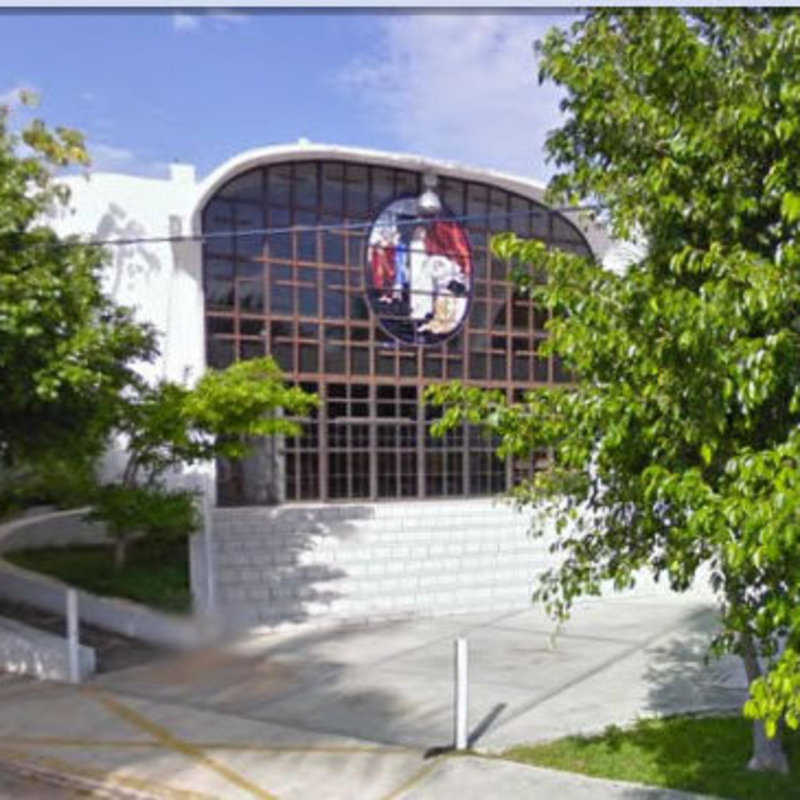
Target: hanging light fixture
428, 203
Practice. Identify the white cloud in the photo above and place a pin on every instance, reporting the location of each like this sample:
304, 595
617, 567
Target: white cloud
462, 87
12, 98
221, 19
185, 22
108, 158
108, 155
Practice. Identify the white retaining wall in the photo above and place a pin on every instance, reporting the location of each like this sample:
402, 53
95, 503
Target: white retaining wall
29, 651
113, 614
359, 562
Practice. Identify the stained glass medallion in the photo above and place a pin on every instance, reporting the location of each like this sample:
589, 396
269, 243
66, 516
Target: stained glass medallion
418, 273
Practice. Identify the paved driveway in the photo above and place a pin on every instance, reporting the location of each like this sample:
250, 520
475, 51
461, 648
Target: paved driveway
392, 683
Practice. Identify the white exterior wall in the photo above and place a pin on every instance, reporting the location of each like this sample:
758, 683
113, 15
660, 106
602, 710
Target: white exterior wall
161, 280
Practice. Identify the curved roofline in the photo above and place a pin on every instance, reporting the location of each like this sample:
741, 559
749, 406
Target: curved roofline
298, 151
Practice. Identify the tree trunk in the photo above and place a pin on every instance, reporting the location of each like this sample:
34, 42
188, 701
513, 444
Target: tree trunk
768, 754
120, 552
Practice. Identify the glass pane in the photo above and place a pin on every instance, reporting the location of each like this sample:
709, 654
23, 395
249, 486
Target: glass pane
453, 196
455, 368
334, 303
333, 248
281, 299
219, 268
477, 365
281, 329
251, 327
498, 219
539, 222
382, 187
408, 365
334, 357
219, 353
219, 294
309, 358
520, 216
432, 367
498, 368
279, 217
356, 198
334, 332
251, 348
355, 249
307, 301
218, 216
332, 186
307, 330
251, 296
249, 219
384, 364
359, 360
279, 183
305, 185
407, 183
306, 245
279, 245
219, 325
477, 205
283, 353
358, 308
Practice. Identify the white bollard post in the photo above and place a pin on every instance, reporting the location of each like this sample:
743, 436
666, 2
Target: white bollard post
208, 548
462, 695
72, 636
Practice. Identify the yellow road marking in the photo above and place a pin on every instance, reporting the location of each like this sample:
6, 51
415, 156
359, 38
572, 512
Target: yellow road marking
168, 740
62, 741
108, 781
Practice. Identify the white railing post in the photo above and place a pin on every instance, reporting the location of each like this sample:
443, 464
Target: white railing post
72, 636
461, 694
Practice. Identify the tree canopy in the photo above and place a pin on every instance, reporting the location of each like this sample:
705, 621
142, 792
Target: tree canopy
66, 349
678, 446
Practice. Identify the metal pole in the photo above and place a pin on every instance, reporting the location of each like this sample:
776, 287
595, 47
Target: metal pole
72, 636
211, 600
461, 695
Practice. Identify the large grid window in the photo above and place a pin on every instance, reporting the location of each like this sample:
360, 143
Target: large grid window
299, 295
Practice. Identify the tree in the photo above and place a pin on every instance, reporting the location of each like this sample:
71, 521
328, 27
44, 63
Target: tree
66, 349
678, 446
168, 425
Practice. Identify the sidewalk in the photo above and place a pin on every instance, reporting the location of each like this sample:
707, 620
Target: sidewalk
351, 713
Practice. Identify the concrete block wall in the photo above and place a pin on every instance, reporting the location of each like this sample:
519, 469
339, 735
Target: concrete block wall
372, 561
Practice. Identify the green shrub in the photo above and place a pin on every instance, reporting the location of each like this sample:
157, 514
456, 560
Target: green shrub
153, 513
50, 480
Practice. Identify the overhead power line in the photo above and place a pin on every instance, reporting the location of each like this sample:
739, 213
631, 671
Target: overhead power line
274, 231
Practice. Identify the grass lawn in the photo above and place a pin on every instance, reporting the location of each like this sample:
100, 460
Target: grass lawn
699, 754
155, 575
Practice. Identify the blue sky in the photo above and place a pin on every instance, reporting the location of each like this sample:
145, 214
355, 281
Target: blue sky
153, 86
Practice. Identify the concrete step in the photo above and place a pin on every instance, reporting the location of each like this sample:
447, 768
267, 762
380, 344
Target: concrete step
376, 560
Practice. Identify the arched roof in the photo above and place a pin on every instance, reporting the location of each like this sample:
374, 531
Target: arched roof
303, 150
